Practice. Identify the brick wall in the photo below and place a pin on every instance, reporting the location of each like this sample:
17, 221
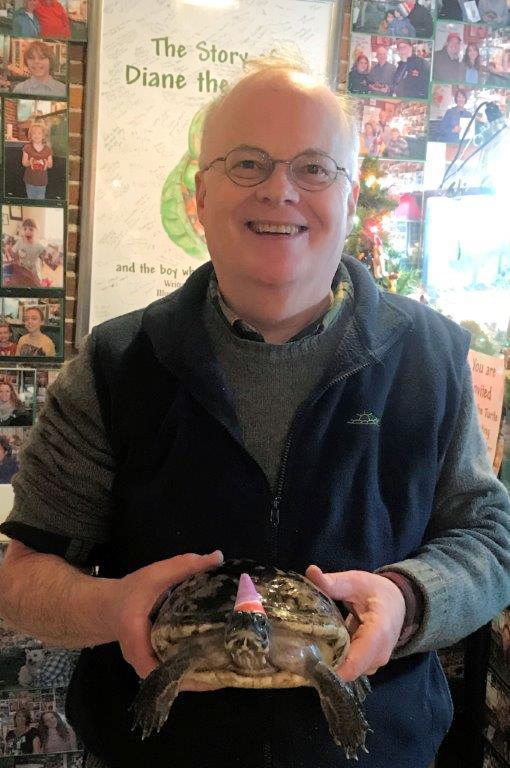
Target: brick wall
343, 57
77, 66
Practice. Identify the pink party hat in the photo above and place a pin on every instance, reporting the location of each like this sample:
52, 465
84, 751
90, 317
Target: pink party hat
248, 599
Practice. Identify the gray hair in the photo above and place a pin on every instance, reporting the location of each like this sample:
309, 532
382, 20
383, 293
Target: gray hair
294, 64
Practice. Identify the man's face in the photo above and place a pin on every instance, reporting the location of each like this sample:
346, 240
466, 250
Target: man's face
283, 120
453, 47
30, 5
32, 320
395, 134
460, 99
381, 55
404, 51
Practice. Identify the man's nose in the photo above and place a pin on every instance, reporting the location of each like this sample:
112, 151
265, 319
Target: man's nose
279, 187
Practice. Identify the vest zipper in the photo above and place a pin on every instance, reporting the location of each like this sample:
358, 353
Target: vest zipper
274, 515
267, 755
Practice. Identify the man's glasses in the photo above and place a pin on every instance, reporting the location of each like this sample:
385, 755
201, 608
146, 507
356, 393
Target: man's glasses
248, 166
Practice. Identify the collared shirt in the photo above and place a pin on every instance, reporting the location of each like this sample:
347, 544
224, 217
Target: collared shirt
35, 87
244, 330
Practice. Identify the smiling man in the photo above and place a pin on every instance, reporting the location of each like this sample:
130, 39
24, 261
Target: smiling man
279, 407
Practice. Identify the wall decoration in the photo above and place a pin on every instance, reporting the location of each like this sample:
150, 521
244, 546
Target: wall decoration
393, 129
389, 17
32, 252
389, 66
35, 149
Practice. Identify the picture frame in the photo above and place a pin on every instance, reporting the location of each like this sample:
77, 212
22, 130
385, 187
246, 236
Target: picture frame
16, 212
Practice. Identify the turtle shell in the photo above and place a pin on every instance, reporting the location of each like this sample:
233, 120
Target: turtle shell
205, 601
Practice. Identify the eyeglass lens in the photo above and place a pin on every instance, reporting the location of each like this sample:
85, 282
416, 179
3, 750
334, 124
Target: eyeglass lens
310, 170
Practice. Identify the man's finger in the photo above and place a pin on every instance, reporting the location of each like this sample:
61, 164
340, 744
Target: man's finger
181, 567
368, 651
339, 586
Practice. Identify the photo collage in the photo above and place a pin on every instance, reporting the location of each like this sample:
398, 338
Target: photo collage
35, 39
33, 681
430, 80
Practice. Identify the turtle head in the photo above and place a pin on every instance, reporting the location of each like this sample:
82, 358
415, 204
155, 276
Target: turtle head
246, 631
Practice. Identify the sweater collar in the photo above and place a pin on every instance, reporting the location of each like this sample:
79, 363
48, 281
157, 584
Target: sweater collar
181, 343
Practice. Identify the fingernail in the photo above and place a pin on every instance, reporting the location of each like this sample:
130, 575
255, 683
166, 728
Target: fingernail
217, 552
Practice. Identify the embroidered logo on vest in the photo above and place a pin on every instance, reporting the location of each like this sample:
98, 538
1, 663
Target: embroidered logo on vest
365, 418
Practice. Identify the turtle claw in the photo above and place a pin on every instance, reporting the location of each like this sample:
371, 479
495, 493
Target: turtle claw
341, 706
156, 695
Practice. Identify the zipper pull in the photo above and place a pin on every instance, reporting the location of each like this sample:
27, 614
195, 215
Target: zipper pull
275, 511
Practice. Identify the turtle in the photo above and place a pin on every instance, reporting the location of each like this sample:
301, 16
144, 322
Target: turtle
249, 625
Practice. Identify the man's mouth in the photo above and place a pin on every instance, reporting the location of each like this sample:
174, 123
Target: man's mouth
266, 228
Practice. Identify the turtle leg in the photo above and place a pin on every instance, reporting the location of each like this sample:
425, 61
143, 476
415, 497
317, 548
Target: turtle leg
157, 693
341, 706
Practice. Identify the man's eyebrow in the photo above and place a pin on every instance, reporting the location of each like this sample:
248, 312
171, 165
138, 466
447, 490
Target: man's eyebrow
307, 150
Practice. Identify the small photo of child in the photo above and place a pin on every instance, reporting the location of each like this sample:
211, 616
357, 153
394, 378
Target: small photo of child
37, 160
36, 324
36, 143
34, 343
17, 400
32, 248
38, 68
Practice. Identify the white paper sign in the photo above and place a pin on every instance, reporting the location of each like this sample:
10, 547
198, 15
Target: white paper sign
488, 374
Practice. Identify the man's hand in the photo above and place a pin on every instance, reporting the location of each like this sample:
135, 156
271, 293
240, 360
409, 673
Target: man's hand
134, 596
377, 614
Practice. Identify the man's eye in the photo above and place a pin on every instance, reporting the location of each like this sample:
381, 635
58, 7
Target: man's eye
314, 169
249, 164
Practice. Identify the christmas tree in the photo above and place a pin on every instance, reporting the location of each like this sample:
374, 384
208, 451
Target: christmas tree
369, 241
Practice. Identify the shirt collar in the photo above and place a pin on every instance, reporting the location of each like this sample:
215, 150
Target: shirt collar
243, 329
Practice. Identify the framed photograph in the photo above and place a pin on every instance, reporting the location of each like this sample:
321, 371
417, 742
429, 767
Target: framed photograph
494, 13
65, 19
17, 403
15, 212
36, 327
35, 149
40, 710
388, 17
385, 66
393, 129
497, 720
453, 107
38, 67
32, 251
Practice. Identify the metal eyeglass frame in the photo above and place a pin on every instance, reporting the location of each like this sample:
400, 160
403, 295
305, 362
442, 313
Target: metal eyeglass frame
273, 162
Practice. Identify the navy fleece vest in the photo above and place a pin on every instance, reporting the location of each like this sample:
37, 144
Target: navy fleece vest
355, 491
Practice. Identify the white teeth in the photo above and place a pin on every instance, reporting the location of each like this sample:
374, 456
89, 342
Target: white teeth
277, 229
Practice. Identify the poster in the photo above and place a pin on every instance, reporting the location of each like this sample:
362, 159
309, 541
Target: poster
160, 64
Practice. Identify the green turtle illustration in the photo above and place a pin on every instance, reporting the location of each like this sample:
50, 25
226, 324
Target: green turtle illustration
178, 204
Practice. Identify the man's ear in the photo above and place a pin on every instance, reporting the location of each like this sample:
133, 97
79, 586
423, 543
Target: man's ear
352, 202
200, 195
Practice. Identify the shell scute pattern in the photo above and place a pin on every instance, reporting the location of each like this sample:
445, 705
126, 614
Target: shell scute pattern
207, 599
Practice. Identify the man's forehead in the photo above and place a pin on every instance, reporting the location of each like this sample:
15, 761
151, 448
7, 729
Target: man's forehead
270, 109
